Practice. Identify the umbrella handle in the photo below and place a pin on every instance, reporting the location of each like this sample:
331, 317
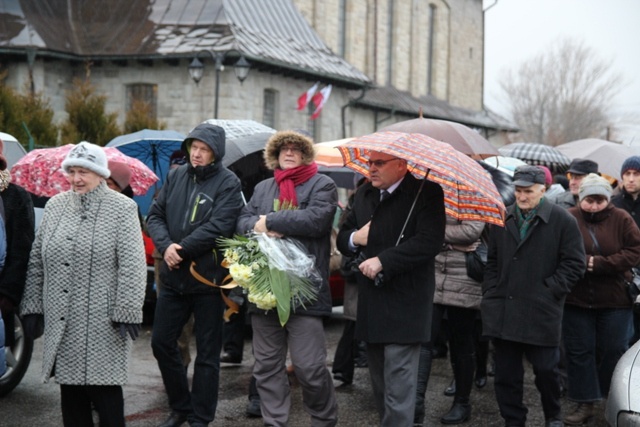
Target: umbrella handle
411, 210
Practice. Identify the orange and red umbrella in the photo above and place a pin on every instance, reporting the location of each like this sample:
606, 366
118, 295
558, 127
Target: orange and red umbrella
469, 192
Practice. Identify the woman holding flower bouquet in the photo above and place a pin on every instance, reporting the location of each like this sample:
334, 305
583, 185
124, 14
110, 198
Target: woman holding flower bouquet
299, 204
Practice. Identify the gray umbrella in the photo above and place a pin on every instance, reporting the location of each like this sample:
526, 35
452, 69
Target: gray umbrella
239, 148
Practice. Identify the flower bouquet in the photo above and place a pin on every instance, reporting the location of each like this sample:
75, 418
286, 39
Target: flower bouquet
274, 273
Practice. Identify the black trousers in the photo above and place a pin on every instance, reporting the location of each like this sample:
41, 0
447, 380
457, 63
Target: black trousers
344, 358
76, 405
509, 379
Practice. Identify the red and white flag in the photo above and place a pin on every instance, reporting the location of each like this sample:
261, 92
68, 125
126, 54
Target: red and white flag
305, 98
319, 99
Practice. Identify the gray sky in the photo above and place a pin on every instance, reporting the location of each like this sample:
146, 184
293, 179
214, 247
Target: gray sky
517, 30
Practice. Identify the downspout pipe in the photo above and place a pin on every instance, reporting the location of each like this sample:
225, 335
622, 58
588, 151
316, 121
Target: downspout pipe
351, 102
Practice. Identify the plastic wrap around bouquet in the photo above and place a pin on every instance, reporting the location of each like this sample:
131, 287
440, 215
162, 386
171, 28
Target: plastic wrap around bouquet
273, 272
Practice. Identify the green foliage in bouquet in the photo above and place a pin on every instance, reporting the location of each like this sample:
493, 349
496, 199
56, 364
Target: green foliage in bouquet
265, 285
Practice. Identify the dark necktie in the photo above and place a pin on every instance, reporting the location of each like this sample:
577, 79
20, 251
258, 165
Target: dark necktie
384, 194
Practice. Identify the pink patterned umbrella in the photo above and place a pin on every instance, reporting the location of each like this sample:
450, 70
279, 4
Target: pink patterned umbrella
40, 171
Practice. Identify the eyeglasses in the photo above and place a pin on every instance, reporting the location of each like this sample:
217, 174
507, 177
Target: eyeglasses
291, 148
379, 163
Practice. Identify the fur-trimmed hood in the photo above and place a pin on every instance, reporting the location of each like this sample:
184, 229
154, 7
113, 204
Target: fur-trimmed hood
278, 139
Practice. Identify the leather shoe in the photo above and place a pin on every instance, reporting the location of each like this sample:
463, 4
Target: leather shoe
253, 408
175, 419
481, 382
459, 413
229, 358
339, 376
451, 390
583, 413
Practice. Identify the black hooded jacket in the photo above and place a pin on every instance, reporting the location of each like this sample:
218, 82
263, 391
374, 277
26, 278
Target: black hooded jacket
195, 207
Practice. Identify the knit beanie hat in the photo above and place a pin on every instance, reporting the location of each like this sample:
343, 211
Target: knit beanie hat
595, 185
548, 178
89, 156
3, 159
120, 174
632, 162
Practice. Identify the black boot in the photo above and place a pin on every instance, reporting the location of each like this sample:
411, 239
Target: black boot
460, 412
451, 388
424, 370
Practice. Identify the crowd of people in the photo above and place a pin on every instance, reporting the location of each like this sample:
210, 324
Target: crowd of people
553, 290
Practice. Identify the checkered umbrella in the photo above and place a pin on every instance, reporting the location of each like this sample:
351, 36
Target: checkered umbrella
533, 153
469, 192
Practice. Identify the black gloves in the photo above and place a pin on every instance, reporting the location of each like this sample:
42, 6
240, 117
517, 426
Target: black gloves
33, 325
133, 329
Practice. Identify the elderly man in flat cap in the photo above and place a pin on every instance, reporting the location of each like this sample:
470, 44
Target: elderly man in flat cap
533, 262
578, 169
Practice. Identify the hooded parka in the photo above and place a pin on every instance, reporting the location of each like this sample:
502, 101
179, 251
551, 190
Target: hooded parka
310, 224
204, 205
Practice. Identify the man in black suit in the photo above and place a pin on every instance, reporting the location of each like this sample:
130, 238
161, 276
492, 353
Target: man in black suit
396, 284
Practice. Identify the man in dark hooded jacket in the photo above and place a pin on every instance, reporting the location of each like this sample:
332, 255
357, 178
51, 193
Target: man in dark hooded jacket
198, 203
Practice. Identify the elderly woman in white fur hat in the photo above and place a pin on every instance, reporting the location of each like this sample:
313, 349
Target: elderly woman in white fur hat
86, 282
597, 322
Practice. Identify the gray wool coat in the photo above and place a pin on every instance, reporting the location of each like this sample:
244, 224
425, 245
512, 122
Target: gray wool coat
86, 270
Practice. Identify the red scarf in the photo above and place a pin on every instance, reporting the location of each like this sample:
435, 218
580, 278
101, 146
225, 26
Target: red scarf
288, 179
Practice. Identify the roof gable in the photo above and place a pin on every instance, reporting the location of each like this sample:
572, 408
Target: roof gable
272, 32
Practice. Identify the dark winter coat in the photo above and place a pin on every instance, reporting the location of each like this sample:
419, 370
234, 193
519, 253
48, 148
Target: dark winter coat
309, 224
526, 281
566, 200
400, 311
195, 207
19, 226
625, 201
619, 240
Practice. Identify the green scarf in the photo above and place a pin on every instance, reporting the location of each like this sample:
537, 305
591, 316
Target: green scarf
524, 221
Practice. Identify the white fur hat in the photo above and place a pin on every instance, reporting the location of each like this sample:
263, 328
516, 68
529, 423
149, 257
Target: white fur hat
89, 156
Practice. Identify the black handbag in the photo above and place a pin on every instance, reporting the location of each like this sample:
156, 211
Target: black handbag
476, 262
633, 286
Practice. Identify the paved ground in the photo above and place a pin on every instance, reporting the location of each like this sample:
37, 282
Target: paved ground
33, 403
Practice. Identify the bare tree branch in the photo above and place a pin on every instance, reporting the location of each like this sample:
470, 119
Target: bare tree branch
563, 94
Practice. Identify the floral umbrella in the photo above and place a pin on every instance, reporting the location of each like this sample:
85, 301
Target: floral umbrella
40, 171
469, 192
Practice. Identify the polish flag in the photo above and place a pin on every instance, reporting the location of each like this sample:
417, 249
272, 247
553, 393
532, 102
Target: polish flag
319, 99
305, 98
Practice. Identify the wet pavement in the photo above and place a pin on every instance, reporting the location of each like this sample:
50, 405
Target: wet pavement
33, 403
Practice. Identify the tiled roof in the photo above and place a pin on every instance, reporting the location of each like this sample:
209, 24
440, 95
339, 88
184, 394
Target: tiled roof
391, 99
270, 32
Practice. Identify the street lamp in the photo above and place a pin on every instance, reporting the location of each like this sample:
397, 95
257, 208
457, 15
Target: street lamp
196, 70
